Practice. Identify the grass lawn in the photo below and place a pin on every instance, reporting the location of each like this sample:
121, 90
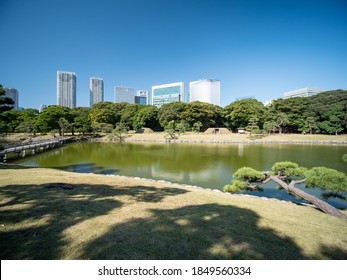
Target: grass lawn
190, 136
51, 214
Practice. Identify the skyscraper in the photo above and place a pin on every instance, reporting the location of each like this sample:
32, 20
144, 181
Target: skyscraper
124, 94
96, 88
66, 89
141, 97
167, 93
13, 94
206, 90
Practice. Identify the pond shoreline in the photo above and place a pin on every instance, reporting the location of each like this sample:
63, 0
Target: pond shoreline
171, 184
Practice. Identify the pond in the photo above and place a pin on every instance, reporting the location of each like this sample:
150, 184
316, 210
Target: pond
205, 165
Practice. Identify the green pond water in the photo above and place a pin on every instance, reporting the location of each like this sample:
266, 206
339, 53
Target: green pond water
205, 165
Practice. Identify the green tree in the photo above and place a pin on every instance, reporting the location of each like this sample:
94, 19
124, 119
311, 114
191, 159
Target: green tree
129, 113
64, 126
170, 112
330, 111
81, 120
26, 127
197, 126
147, 116
238, 113
270, 127
171, 131
107, 112
120, 132
101, 127
208, 115
48, 120
289, 114
19, 121
281, 121
182, 127
12, 119
287, 175
311, 124
252, 126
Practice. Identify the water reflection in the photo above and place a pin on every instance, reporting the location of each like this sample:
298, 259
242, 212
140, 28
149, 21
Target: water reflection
240, 150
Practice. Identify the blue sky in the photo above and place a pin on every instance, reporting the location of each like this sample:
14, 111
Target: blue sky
256, 48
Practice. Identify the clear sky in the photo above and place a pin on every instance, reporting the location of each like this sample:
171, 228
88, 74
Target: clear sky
256, 48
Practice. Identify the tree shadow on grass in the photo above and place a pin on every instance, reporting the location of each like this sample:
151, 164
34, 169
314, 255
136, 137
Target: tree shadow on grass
209, 231
33, 217
334, 253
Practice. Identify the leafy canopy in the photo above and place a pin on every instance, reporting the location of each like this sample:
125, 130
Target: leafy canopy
248, 174
323, 177
326, 178
242, 179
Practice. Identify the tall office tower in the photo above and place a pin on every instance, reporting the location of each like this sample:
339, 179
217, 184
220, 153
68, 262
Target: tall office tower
96, 89
163, 94
302, 92
13, 94
141, 97
206, 90
124, 94
66, 89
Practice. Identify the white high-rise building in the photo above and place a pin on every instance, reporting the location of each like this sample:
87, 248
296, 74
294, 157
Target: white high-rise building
96, 89
13, 94
206, 90
302, 92
163, 94
66, 89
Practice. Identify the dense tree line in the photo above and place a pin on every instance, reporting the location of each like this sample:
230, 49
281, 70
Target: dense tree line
324, 113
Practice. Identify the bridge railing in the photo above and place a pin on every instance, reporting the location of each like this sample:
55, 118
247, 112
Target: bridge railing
31, 144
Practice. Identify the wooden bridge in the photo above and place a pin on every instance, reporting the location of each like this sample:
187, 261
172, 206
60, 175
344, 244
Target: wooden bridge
34, 147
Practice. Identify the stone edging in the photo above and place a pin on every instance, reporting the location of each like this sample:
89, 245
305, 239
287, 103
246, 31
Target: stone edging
203, 189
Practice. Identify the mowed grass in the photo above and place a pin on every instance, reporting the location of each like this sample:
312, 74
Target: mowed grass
51, 214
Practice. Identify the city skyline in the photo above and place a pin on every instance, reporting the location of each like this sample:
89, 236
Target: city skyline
202, 90
259, 49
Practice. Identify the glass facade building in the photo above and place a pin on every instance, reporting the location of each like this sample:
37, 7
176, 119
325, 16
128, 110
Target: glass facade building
66, 89
124, 94
206, 90
163, 94
141, 97
96, 89
13, 94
